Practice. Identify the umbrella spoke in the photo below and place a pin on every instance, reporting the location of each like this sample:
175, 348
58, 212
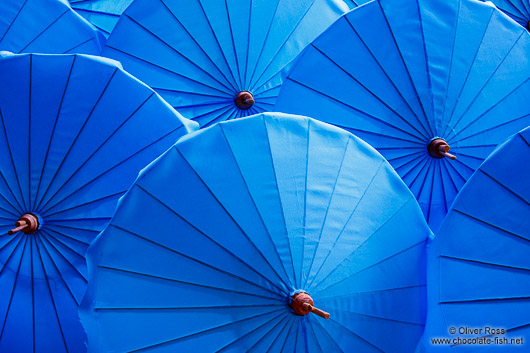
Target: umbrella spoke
75, 139
50, 293
247, 237
365, 191
14, 282
490, 224
199, 262
224, 87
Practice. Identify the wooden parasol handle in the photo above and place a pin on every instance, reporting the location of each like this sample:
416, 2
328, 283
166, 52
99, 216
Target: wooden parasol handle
316, 311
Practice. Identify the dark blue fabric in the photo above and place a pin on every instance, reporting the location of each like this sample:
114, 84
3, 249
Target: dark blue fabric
103, 14
206, 248
200, 54
479, 263
74, 133
398, 73
518, 10
46, 26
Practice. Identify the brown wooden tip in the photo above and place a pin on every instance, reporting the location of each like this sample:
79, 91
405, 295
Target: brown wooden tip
438, 148
528, 26
244, 100
302, 304
27, 223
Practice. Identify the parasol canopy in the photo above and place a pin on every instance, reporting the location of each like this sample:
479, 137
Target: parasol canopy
479, 266
103, 14
75, 131
234, 248
46, 26
354, 3
217, 60
415, 79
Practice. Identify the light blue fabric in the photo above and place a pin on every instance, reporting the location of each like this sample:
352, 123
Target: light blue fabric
46, 26
399, 72
200, 54
103, 14
206, 248
479, 268
74, 133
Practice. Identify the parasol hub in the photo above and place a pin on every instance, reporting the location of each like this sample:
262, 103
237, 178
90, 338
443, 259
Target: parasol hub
528, 26
27, 223
244, 100
439, 148
302, 304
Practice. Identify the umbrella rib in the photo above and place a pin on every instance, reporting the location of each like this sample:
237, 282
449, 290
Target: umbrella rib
249, 38
331, 338
425, 167
448, 173
51, 294
293, 322
420, 243
9, 204
4, 265
484, 300
76, 137
233, 44
51, 225
29, 130
222, 99
192, 62
45, 248
491, 225
406, 66
354, 313
433, 174
220, 112
107, 171
375, 96
240, 338
420, 154
315, 336
287, 321
96, 151
202, 263
12, 165
168, 70
49, 233
54, 247
14, 20
280, 201
382, 135
451, 115
232, 86
496, 126
488, 264
482, 89
53, 129
320, 298
184, 282
427, 131
106, 197
345, 224
305, 204
15, 281
45, 30
449, 73
327, 211
263, 46
353, 333
279, 49
420, 160
520, 197
235, 222
253, 201
360, 112
78, 45
258, 94
228, 307
174, 340
32, 289
81, 9
230, 116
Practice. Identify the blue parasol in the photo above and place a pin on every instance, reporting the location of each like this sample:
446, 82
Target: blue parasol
518, 10
414, 78
479, 268
103, 14
45, 26
217, 60
74, 132
231, 245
